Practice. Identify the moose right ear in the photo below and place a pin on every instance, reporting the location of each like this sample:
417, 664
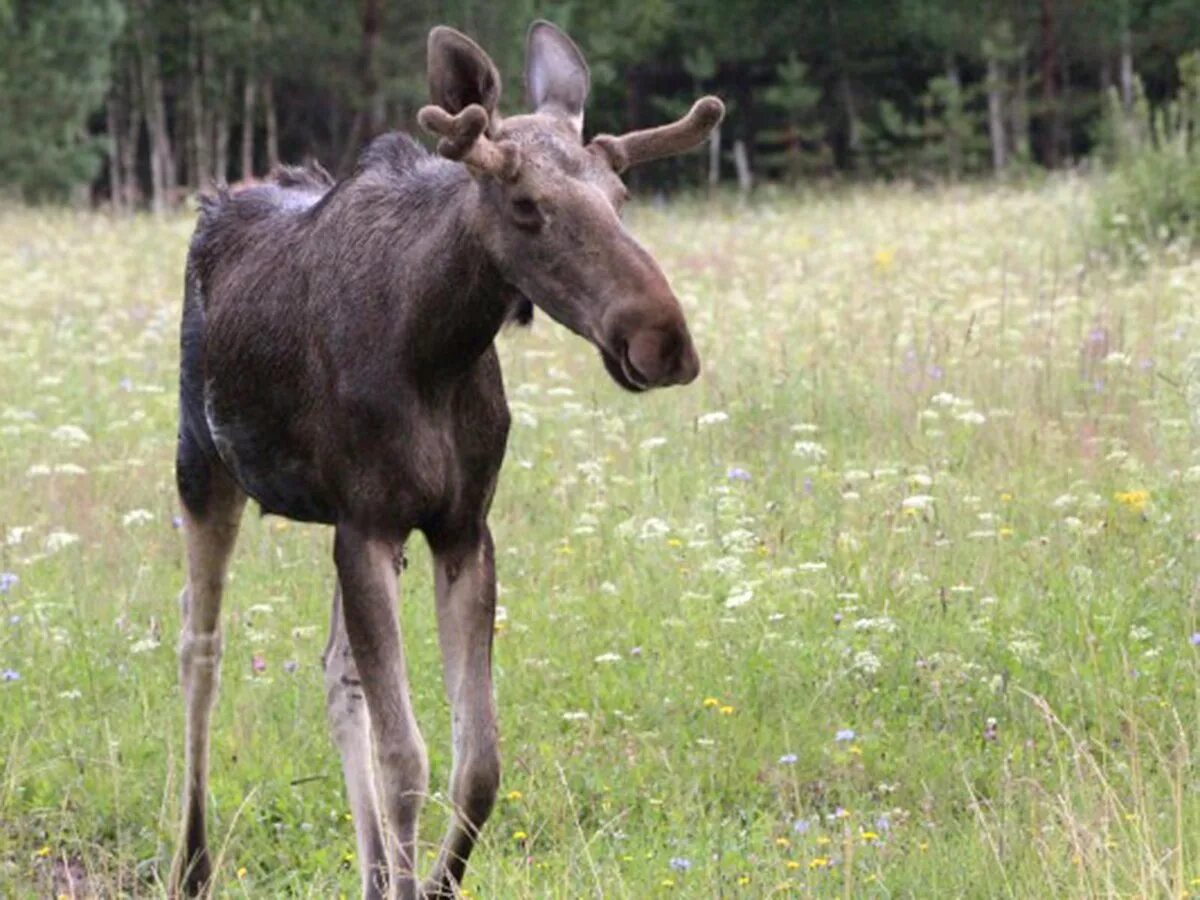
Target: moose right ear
461, 73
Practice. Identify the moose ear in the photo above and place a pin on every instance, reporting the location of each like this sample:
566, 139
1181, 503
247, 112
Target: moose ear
460, 73
556, 77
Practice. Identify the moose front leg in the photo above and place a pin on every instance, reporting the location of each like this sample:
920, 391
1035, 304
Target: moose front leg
465, 581
368, 581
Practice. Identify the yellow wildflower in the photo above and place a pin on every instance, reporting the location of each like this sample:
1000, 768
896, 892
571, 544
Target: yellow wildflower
726, 710
869, 836
514, 795
792, 864
710, 702
782, 842
884, 257
818, 862
241, 872
1136, 500
743, 880
43, 852
520, 836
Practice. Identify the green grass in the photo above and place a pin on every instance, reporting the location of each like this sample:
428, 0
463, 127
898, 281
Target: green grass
946, 413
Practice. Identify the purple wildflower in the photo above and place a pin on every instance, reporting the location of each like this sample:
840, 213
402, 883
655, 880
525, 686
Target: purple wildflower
843, 735
680, 863
883, 823
8, 581
736, 473
788, 759
176, 522
291, 666
10, 675
1195, 638
808, 485
801, 826
257, 663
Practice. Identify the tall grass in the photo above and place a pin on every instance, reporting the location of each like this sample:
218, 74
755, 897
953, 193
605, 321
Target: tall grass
899, 599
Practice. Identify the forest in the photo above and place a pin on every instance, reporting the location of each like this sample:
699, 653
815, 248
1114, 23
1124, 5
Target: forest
139, 103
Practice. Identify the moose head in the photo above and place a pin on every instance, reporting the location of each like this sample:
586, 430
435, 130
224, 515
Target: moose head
550, 204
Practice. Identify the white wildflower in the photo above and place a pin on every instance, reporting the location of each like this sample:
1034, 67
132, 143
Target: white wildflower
70, 434
809, 450
137, 517
712, 418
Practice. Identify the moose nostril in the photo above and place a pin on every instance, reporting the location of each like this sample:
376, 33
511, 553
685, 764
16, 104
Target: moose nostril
662, 356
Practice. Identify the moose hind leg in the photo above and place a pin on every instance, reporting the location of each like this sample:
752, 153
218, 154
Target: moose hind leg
368, 579
350, 723
212, 508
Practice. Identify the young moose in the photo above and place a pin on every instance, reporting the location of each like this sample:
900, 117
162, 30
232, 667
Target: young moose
338, 366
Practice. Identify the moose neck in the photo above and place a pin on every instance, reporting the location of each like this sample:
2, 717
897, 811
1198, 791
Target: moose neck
407, 243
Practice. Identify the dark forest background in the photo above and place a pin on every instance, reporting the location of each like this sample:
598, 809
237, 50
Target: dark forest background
140, 102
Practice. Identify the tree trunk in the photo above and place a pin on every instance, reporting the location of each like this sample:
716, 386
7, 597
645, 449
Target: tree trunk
954, 144
272, 123
247, 167
162, 163
134, 115
1020, 109
221, 118
199, 147
995, 98
1051, 113
1126, 66
370, 118
116, 190
852, 131
741, 161
714, 158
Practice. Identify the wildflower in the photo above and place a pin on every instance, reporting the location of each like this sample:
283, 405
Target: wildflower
990, 729
43, 851
680, 863
8, 580
712, 418
818, 862
70, 434
884, 258
575, 716
1195, 638
726, 710
843, 735
58, 540
608, 658
520, 836
801, 826
782, 842
176, 522
869, 836
667, 883
737, 474
241, 872
1135, 500
10, 675
917, 502
710, 702
257, 663
792, 864
743, 880
810, 450
291, 666
513, 795
788, 759
137, 517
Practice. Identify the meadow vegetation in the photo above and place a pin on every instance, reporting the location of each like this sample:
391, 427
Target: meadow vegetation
900, 599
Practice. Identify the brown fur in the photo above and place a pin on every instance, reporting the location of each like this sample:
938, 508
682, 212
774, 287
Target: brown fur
338, 366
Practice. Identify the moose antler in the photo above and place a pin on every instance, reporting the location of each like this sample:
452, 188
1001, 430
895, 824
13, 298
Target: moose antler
665, 140
462, 138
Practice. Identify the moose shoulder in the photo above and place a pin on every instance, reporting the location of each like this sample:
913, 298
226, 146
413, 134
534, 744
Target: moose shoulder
338, 366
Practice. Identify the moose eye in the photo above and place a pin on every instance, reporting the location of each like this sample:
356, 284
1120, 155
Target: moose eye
526, 213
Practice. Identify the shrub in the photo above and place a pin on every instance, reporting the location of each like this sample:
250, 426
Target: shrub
1151, 194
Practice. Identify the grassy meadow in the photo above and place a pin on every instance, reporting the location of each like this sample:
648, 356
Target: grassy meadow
900, 599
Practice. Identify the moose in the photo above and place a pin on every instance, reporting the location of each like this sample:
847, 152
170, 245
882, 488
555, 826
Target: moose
338, 366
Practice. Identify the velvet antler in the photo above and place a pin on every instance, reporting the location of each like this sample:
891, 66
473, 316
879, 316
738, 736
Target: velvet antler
665, 140
462, 138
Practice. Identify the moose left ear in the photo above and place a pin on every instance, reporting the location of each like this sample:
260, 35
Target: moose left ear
556, 77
